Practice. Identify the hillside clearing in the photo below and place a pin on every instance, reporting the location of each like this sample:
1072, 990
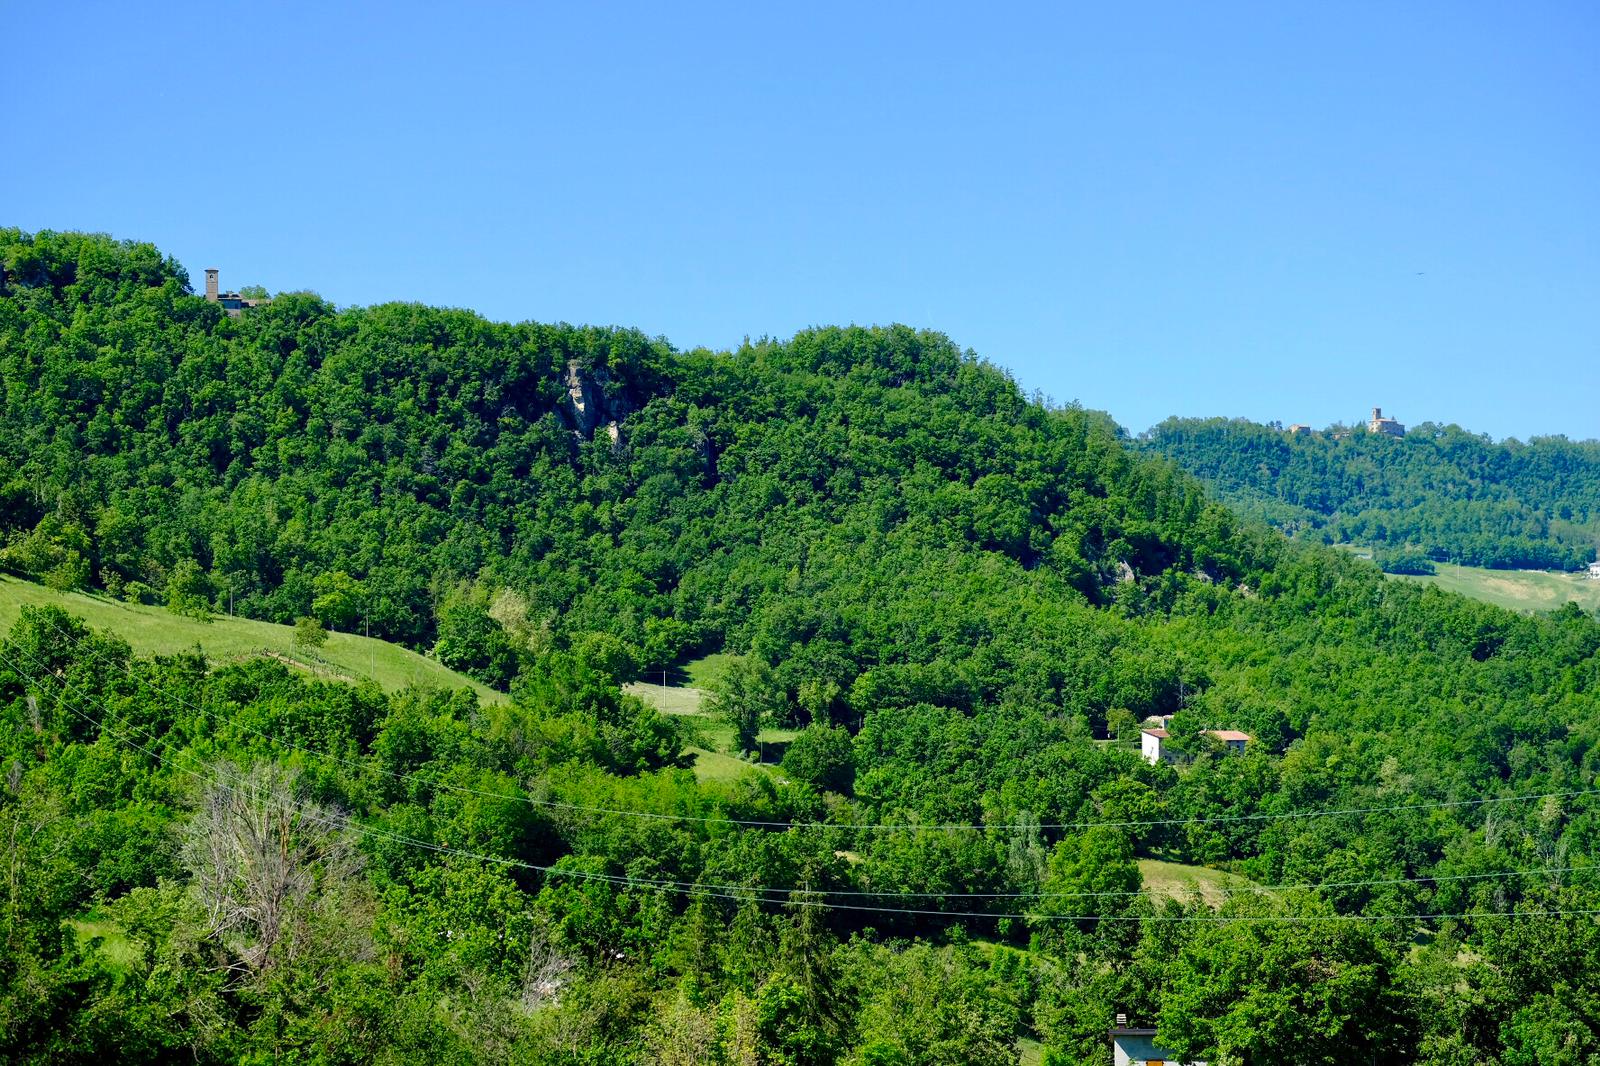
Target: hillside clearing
712, 738
1182, 882
157, 631
1516, 590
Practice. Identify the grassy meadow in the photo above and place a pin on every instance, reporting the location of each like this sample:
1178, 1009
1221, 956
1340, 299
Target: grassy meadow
684, 695
157, 631
1517, 590
1181, 881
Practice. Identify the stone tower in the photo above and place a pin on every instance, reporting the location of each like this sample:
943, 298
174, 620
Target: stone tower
211, 284
1386, 426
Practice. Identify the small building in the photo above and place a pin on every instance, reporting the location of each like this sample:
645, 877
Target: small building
1153, 742
1232, 739
1387, 426
1150, 745
1594, 570
231, 302
1299, 429
1133, 1045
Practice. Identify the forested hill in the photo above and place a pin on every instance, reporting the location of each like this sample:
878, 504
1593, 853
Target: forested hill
388, 466
1439, 492
960, 601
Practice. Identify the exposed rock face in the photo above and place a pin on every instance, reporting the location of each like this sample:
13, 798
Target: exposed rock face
583, 399
706, 453
588, 408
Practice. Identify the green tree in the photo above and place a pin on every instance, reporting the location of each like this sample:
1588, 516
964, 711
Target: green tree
339, 600
822, 755
189, 590
309, 634
1246, 991
473, 642
747, 696
1093, 875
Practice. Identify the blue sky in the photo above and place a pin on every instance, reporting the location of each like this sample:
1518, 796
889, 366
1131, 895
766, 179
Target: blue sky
1279, 211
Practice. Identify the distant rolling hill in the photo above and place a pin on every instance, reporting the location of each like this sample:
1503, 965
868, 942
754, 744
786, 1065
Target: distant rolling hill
1439, 492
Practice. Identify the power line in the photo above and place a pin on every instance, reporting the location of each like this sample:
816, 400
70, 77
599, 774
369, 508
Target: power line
864, 826
762, 894
742, 895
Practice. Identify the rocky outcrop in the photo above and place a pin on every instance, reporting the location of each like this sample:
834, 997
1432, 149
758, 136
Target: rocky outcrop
588, 407
583, 399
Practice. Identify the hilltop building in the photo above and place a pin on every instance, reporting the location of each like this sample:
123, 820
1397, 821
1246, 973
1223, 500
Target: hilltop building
231, 302
1387, 426
1300, 429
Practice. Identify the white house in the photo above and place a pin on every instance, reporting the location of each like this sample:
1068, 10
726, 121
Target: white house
1150, 745
1152, 742
1135, 1046
1594, 570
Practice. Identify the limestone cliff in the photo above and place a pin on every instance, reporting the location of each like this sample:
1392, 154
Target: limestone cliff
590, 404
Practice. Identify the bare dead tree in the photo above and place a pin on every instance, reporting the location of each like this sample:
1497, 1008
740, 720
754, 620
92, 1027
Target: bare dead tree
545, 973
266, 864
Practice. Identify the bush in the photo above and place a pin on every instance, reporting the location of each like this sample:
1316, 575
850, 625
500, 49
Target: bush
71, 573
309, 634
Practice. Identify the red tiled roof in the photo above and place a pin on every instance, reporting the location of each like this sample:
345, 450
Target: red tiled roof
1160, 733
1227, 734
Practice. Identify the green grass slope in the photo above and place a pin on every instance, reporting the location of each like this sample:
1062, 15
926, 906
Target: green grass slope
157, 631
1518, 590
715, 759
1184, 882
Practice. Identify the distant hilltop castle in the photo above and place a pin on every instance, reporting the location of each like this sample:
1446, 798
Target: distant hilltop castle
1379, 424
231, 302
1376, 424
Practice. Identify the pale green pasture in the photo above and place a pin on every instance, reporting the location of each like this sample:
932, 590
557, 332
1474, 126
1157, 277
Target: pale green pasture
1517, 590
1179, 881
157, 631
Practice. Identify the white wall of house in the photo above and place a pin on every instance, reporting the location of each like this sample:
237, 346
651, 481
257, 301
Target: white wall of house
1150, 747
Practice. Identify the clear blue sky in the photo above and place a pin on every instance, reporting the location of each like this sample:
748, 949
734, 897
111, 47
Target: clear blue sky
1281, 211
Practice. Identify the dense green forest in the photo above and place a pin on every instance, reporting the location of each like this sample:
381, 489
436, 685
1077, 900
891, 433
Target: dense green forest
964, 600
1438, 493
